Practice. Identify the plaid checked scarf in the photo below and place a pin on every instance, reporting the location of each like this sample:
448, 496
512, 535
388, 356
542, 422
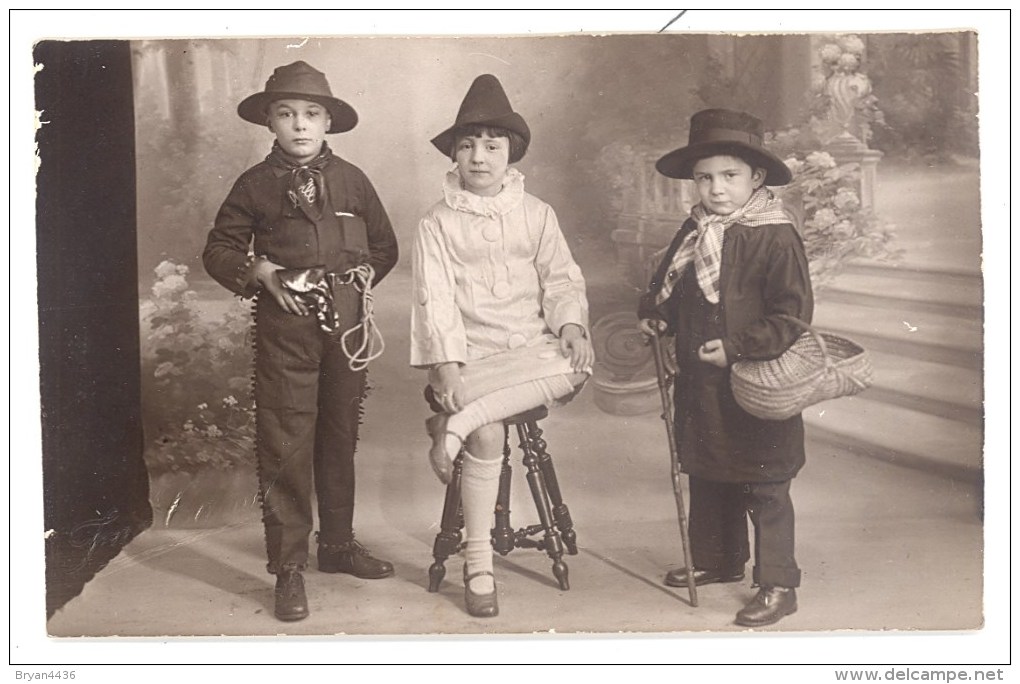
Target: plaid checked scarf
306, 184
703, 246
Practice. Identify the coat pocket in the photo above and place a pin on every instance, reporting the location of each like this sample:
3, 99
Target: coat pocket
353, 235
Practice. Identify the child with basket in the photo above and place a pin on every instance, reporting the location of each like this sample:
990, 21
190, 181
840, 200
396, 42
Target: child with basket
734, 272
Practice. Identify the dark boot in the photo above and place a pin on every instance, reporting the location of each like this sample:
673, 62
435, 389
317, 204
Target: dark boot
770, 605
678, 577
353, 559
291, 603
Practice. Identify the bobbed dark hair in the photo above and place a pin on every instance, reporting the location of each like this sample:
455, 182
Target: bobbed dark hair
518, 145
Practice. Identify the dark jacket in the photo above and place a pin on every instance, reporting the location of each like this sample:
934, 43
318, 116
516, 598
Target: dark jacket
258, 207
764, 273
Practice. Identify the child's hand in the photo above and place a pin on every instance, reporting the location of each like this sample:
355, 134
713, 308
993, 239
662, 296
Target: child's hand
265, 274
714, 353
447, 386
649, 326
575, 346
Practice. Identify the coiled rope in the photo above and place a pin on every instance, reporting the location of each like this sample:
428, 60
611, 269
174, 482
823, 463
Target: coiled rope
372, 343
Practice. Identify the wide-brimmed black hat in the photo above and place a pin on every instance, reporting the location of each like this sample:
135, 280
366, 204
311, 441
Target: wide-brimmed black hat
298, 81
485, 104
724, 131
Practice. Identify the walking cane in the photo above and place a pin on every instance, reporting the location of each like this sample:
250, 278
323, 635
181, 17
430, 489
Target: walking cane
667, 416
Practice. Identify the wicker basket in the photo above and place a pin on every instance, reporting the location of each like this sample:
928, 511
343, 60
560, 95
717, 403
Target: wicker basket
818, 366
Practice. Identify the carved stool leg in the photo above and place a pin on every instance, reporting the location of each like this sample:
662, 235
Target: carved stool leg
536, 482
503, 533
448, 540
561, 514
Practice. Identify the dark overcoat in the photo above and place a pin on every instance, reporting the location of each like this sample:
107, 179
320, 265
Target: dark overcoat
764, 273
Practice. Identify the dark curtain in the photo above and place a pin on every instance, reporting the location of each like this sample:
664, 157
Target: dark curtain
96, 495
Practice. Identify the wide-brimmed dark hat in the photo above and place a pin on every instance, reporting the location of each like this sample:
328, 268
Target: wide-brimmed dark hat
485, 104
298, 81
724, 131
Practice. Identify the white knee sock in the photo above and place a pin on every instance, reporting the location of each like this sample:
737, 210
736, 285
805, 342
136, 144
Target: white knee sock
503, 403
480, 480
479, 487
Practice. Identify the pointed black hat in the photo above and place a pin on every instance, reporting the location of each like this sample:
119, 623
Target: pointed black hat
485, 104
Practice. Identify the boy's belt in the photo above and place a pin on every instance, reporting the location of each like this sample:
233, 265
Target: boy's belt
314, 288
335, 279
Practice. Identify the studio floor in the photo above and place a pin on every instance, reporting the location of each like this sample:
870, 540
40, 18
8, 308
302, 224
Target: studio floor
881, 547
877, 544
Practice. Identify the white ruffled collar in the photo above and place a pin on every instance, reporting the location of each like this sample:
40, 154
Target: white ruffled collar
506, 200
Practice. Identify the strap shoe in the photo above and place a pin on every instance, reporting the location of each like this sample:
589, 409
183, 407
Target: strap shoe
479, 605
439, 457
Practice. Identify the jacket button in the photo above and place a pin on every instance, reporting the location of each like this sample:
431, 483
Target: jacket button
516, 340
501, 289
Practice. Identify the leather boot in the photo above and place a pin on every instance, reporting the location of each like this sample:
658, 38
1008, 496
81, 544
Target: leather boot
354, 559
702, 576
770, 605
291, 602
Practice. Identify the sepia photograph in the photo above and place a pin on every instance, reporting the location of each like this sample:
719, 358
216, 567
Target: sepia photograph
670, 336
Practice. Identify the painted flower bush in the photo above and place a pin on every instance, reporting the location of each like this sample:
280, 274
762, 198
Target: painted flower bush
824, 196
196, 378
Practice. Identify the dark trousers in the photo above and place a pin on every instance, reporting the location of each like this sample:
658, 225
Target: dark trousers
718, 529
308, 406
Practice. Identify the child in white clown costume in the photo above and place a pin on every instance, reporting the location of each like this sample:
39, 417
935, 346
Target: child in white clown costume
500, 317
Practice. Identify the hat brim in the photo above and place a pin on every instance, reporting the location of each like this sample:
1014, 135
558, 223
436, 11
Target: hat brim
512, 122
254, 109
680, 162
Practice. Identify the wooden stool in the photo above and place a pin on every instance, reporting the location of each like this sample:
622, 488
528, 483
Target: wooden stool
555, 525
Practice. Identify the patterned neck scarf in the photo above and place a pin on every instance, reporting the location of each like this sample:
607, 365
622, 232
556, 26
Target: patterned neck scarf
703, 246
307, 189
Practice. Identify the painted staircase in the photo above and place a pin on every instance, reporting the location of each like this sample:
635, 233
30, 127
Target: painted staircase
920, 318
923, 327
